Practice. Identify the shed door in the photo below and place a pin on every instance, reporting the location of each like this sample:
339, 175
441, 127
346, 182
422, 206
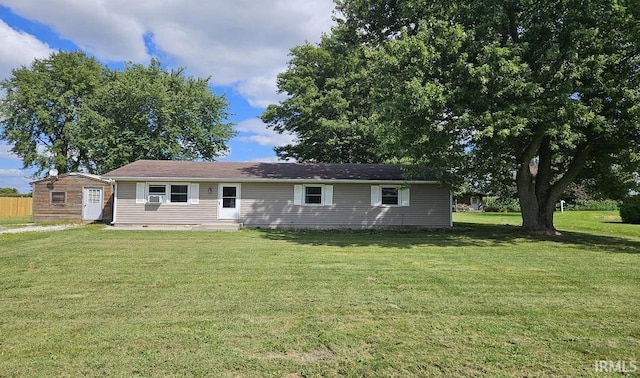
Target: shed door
229, 201
92, 204
475, 203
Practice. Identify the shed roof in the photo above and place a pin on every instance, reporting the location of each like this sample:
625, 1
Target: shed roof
88, 176
183, 170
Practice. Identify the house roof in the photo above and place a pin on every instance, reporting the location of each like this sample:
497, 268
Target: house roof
77, 174
191, 170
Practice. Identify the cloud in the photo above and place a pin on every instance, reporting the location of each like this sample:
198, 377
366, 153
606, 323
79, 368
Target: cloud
260, 91
17, 49
259, 133
5, 152
242, 42
11, 172
15, 178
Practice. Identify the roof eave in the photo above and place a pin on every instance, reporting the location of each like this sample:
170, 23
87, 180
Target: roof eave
263, 180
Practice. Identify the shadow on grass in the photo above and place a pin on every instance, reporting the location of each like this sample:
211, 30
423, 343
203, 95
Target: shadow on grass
462, 235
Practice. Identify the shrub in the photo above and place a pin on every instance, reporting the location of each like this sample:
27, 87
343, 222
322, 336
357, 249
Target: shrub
630, 210
592, 205
503, 205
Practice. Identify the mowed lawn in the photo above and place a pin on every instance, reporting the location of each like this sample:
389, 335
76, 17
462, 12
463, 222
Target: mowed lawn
483, 300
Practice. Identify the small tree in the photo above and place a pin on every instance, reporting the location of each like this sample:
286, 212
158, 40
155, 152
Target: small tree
630, 210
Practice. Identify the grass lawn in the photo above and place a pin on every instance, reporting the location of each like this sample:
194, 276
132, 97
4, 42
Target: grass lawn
14, 221
484, 300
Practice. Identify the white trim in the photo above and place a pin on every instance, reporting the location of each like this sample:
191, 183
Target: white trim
167, 192
141, 193
403, 195
297, 195
194, 194
260, 180
376, 195
450, 209
327, 195
324, 197
115, 203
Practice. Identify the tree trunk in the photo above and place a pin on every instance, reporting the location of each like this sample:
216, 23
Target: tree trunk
537, 217
538, 195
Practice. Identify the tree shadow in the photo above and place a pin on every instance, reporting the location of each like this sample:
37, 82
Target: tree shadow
462, 235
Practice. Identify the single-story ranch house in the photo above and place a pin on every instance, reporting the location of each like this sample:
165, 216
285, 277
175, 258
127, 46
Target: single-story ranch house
290, 195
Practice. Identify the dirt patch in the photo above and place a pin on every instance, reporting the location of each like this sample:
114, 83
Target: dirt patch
303, 358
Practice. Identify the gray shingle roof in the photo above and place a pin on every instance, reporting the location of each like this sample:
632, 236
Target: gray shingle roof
171, 169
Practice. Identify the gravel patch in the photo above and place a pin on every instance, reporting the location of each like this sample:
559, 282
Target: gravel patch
36, 229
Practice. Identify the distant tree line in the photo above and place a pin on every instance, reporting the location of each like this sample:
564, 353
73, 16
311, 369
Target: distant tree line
12, 192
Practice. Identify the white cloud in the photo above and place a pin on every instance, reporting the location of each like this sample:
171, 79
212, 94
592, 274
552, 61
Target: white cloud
260, 91
15, 178
17, 49
11, 172
240, 42
5, 152
259, 133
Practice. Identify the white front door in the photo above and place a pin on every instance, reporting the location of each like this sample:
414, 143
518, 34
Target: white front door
229, 201
92, 204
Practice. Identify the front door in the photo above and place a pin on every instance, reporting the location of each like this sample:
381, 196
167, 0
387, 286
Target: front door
92, 204
229, 201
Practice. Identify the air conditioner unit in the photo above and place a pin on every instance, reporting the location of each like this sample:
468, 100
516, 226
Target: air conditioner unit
155, 199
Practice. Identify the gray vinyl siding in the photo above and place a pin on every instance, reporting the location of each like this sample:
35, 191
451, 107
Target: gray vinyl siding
271, 205
130, 212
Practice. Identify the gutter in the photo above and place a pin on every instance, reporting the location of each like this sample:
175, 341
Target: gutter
263, 180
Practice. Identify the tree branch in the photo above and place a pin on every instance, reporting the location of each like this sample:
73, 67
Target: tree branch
578, 162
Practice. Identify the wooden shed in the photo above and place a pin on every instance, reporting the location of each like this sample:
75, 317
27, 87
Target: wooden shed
75, 197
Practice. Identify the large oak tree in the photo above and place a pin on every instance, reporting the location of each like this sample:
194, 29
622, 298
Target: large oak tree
540, 93
71, 113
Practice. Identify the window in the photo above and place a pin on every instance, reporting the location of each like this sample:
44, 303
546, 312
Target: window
313, 195
229, 196
179, 193
58, 198
383, 195
159, 190
390, 196
159, 193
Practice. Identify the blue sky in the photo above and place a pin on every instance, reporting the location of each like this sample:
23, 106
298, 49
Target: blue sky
242, 45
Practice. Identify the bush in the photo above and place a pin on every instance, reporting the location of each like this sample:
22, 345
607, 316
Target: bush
503, 205
592, 205
630, 210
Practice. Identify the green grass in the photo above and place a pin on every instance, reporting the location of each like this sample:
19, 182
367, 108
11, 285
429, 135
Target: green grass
484, 300
14, 221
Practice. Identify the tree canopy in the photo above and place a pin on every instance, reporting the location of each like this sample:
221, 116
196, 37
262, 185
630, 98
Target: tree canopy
483, 89
71, 113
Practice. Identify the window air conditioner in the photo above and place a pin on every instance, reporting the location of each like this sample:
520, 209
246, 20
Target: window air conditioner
155, 199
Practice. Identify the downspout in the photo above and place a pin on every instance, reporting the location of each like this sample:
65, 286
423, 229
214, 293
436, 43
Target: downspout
115, 203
